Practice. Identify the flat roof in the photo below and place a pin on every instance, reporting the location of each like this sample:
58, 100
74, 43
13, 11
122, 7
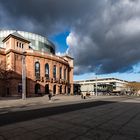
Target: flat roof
100, 79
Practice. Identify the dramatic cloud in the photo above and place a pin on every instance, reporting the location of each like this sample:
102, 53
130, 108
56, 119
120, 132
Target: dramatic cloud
104, 35
108, 41
42, 16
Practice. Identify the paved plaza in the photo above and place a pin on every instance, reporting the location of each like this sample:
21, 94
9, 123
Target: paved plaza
96, 118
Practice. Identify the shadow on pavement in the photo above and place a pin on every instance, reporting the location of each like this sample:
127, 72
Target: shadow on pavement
19, 116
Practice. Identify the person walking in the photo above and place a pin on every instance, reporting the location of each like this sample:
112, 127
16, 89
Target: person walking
83, 95
50, 96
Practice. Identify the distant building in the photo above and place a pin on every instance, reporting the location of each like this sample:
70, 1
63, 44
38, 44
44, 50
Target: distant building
45, 71
103, 85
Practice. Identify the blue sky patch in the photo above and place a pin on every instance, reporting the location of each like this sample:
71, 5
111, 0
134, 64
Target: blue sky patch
60, 41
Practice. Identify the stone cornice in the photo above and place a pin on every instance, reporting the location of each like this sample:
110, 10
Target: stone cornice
40, 55
2, 51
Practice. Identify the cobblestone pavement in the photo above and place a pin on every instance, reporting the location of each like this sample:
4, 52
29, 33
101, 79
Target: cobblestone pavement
115, 121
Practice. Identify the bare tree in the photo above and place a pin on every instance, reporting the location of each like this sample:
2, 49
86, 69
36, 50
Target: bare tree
4, 77
133, 87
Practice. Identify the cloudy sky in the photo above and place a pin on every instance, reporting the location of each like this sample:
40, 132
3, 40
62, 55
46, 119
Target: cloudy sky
103, 36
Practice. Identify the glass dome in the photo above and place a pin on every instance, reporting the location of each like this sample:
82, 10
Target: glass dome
38, 42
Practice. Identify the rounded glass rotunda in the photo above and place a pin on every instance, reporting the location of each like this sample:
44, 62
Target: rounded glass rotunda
38, 42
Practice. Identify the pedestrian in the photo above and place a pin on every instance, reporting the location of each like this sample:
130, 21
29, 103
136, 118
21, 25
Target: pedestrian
83, 95
50, 96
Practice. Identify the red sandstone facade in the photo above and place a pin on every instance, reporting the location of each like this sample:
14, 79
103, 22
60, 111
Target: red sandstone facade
37, 82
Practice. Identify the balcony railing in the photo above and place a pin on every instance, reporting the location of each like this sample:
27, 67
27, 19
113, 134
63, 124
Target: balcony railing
55, 80
47, 79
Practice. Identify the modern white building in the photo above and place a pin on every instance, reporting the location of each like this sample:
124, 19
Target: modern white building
102, 85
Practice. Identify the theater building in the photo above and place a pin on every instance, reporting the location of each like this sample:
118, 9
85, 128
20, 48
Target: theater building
45, 71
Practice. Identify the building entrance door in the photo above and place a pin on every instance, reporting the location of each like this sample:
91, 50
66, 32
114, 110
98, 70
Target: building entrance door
54, 89
37, 89
61, 89
68, 90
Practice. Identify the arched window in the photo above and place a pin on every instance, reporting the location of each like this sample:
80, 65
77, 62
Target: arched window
54, 71
65, 73
47, 70
60, 73
37, 70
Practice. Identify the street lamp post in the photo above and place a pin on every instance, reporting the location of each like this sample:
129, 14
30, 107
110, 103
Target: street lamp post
23, 76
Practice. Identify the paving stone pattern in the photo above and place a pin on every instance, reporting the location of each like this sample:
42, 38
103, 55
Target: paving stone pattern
116, 121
